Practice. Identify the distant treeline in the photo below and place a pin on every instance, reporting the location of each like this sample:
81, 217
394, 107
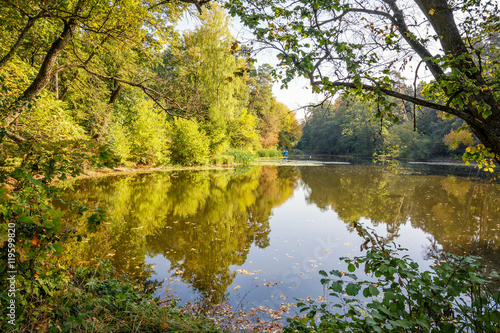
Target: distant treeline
349, 126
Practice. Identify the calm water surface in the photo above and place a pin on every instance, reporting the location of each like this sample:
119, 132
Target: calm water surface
258, 235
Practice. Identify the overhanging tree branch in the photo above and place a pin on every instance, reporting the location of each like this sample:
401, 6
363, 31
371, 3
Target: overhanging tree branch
152, 93
14, 137
456, 112
421, 50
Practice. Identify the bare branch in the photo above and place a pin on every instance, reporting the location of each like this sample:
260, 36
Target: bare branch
421, 50
152, 93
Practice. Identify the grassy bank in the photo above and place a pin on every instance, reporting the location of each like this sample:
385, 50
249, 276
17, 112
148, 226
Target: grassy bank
96, 300
234, 158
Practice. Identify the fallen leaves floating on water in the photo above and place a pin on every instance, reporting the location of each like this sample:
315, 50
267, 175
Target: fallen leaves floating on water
244, 271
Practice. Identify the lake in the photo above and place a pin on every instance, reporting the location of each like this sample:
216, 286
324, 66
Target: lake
258, 235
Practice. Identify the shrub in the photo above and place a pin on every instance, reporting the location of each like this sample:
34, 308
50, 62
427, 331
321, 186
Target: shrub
243, 132
142, 139
269, 153
453, 297
148, 136
190, 145
240, 156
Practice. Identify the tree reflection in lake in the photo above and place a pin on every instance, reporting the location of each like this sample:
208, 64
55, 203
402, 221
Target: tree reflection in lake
457, 212
201, 221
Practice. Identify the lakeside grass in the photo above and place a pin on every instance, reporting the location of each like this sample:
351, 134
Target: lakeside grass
100, 300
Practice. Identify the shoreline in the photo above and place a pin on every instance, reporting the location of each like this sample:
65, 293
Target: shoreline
143, 169
118, 171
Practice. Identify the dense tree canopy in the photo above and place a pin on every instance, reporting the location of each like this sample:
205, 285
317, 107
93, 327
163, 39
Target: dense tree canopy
117, 73
346, 45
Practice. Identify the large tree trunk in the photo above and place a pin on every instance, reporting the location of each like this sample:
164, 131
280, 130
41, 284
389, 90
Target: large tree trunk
487, 130
103, 125
45, 72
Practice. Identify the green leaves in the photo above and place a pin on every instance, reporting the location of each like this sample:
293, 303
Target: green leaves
352, 289
358, 46
412, 300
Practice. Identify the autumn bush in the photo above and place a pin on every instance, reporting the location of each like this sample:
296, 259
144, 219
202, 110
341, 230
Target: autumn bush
190, 145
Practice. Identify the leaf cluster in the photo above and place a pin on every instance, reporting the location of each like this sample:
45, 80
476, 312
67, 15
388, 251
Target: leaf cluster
454, 296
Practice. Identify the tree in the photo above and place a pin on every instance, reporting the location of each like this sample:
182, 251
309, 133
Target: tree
290, 130
83, 35
348, 127
347, 45
200, 72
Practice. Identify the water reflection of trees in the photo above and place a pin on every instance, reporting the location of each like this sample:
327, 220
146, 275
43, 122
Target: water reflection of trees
202, 221
457, 212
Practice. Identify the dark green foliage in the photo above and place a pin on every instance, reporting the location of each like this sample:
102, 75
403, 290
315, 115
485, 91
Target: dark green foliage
269, 153
455, 296
295, 151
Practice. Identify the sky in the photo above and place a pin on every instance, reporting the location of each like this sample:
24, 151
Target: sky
298, 95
